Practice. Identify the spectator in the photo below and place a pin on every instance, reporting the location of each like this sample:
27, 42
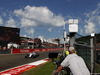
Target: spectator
4, 48
0, 47
75, 63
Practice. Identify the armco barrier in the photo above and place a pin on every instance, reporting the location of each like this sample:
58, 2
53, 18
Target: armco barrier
15, 51
7, 51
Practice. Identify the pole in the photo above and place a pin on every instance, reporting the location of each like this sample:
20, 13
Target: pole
72, 39
64, 46
95, 54
64, 41
92, 55
64, 36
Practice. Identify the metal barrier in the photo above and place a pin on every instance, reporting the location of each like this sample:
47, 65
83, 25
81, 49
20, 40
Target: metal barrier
7, 51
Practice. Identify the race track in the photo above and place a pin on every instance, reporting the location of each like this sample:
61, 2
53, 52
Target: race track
12, 60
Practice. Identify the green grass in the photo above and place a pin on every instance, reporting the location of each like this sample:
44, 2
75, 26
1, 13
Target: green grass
48, 68
97, 68
45, 69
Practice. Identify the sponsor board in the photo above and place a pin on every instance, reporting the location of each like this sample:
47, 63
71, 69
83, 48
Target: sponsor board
37, 50
97, 48
43, 49
15, 51
23, 68
24, 51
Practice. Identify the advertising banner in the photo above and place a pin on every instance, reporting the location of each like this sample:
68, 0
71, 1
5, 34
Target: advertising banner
15, 51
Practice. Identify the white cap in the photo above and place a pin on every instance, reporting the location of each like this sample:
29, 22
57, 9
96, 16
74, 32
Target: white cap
71, 49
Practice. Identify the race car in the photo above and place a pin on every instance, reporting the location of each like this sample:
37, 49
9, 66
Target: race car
32, 55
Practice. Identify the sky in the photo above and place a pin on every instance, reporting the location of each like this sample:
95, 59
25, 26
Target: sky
47, 18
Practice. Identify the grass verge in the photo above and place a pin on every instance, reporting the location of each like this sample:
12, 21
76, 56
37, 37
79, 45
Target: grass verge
97, 68
45, 69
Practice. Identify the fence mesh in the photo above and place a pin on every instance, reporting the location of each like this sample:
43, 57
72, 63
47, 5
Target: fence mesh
82, 45
83, 49
84, 52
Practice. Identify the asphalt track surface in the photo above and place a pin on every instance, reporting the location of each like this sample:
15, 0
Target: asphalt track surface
8, 61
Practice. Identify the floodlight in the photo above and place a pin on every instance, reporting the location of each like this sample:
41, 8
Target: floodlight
73, 28
75, 21
73, 25
92, 34
71, 21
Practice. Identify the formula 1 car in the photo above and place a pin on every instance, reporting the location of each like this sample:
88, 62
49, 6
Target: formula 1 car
32, 55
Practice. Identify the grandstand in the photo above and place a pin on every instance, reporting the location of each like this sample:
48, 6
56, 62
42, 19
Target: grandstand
9, 34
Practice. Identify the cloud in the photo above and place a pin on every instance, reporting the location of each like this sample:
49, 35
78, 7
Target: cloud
41, 37
24, 35
1, 21
29, 31
50, 29
81, 31
90, 27
38, 16
62, 40
93, 21
4, 14
44, 39
10, 23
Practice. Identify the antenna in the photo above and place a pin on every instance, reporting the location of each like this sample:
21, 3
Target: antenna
64, 27
64, 36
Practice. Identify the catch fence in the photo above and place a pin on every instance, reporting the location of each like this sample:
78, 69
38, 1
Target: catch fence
83, 48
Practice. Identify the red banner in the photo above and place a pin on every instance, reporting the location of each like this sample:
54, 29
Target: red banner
97, 49
15, 51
